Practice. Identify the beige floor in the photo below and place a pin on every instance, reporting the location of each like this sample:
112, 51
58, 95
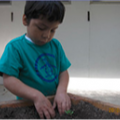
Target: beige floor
106, 90
103, 89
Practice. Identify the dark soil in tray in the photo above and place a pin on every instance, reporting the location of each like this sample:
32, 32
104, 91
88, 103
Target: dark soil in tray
83, 110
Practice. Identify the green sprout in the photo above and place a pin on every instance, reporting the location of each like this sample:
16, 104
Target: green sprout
69, 112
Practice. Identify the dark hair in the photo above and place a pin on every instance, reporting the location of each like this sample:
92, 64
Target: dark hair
51, 10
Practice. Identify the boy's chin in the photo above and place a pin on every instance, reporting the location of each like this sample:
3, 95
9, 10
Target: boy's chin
40, 43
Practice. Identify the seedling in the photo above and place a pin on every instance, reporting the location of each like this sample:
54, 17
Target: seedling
69, 112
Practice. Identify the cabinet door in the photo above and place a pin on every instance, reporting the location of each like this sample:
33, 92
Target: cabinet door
5, 25
11, 25
73, 33
18, 11
105, 40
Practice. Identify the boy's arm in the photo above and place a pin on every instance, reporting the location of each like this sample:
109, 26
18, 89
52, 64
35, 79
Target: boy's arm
63, 82
42, 104
62, 100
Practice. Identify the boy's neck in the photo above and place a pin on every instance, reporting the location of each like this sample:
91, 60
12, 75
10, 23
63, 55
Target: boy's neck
29, 39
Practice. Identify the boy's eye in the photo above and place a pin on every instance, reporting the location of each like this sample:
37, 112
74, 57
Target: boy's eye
52, 31
40, 28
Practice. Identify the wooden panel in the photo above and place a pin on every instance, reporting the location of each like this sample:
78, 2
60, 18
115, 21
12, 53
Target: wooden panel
75, 99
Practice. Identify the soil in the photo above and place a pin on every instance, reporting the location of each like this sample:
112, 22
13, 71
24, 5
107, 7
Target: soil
83, 110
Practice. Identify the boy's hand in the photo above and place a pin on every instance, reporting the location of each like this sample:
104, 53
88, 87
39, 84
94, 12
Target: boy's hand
62, 101
44, 107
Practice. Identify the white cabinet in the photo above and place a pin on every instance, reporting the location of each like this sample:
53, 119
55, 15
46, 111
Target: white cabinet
105, 40
5, 26
18, 11
10, 22
73, 33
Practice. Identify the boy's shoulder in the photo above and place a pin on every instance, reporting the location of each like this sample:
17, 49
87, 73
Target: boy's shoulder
16, 40
56, 41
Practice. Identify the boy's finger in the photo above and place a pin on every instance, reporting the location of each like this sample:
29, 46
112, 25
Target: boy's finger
68, 105
64, 107
46, 113
54, 105
52, 112
59, 108
41, 114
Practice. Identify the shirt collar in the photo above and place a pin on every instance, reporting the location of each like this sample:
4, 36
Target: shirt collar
28, 38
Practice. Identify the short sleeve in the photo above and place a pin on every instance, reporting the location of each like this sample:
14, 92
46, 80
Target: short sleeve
64, 62
10, 62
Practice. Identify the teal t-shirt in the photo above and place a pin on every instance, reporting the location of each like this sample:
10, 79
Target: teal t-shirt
36, 66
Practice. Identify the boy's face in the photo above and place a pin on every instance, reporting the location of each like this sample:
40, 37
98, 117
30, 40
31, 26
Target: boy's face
41, 31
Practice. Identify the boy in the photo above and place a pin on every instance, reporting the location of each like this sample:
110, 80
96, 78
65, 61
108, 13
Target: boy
34, 65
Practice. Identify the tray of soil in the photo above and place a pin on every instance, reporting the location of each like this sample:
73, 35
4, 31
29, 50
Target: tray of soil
82, 108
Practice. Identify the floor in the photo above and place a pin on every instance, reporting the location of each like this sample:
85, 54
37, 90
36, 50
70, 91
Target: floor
105, 89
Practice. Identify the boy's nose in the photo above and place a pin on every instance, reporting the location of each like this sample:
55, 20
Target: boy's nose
46, 35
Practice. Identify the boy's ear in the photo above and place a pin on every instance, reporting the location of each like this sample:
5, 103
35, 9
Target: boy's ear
24, 19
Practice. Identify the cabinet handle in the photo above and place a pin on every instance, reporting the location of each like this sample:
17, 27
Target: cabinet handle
11, 16
88, 15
